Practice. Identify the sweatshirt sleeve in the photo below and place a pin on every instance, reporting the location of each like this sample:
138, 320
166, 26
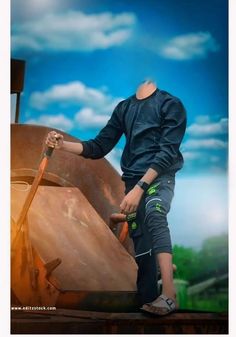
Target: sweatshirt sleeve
107, 138
172, 132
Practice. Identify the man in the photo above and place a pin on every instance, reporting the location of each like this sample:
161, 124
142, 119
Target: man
154, 124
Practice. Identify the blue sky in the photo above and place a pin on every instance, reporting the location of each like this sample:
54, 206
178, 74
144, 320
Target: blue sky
83, 57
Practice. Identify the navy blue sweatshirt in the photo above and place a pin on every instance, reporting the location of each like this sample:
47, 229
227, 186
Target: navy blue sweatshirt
154, 128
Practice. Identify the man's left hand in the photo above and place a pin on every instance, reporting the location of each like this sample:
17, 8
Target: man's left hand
131, 201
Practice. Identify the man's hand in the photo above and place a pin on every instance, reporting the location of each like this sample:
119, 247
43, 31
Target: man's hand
131, 201
54, 139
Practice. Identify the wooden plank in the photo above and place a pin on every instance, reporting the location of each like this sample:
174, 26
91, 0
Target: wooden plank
74, 321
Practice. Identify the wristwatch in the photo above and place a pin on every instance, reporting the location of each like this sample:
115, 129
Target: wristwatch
144, 186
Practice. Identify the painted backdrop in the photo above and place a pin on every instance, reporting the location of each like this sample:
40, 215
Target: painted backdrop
83, 57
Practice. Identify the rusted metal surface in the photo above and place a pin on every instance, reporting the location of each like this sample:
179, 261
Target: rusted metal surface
31, 193
63, 253
82, 322
96, 179
64, 225
30, 282
29, 277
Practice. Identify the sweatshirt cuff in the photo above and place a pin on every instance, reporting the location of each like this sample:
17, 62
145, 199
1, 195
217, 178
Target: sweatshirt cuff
86, 150
157, 168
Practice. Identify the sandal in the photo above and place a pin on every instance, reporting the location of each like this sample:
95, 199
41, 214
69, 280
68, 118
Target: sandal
160, 307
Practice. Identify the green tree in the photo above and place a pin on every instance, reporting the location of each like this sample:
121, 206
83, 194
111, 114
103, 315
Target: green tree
214, 256
187, 262
196, 266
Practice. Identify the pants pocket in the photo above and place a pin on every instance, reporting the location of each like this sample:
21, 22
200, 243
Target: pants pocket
135, 227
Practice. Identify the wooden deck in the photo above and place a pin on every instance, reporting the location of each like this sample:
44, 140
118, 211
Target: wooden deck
62, 321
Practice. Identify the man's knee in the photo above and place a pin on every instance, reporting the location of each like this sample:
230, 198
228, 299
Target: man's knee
157, 225
156, 213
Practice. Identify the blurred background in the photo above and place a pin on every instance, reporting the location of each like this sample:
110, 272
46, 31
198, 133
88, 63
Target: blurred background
83, 57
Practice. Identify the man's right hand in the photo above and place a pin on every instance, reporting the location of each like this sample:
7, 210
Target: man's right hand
54, 140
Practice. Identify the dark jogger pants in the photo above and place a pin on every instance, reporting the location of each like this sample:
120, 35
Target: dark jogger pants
149, 230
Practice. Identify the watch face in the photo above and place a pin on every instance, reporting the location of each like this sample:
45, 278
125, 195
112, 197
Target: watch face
140, 183
143, 185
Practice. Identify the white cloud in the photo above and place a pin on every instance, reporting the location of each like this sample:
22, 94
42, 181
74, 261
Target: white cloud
191, 155
95, 105
114, 158
216, 169
87, 117
24, 9
214, 159
190, 46
73, 31
206, 144
193, 158
74, 93
204, 136
60, 122
202, 119
209, 128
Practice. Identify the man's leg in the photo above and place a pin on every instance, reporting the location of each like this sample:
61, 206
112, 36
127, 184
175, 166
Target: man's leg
147, 278
166, 268
158, 201
147, 285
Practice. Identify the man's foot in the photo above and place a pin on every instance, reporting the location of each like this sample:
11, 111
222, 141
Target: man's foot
163, 305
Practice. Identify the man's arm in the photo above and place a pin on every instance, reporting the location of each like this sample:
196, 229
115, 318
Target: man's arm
131, 201
57, 141
95, 148
172, 132
149, 176
107, 138
76, 148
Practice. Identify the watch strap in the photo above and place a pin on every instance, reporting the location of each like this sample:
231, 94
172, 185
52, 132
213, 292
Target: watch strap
143, 185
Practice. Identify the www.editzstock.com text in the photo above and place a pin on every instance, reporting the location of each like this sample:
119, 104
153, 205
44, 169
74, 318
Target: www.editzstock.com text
32, 308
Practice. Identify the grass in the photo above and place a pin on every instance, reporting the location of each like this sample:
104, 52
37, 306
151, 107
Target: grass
215, 303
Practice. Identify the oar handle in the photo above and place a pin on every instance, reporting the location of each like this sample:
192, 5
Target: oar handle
48, 152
